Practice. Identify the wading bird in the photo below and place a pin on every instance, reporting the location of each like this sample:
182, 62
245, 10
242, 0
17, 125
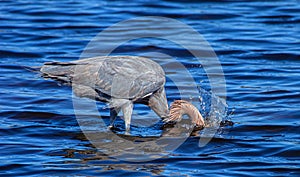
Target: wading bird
122, 81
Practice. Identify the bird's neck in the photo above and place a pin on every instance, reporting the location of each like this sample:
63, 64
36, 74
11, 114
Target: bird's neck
180, 107
193, 113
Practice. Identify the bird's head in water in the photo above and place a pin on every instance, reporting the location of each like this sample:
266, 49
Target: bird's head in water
180, 107
158, 103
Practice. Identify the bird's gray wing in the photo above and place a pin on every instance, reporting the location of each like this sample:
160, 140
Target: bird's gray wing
128, 79
122, 77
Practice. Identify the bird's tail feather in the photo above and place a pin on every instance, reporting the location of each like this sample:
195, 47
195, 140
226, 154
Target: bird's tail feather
32, 68
62, 71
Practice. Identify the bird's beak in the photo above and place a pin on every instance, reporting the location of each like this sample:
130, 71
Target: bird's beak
159, 104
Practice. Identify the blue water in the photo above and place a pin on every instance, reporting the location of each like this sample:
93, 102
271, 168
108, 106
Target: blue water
256, 42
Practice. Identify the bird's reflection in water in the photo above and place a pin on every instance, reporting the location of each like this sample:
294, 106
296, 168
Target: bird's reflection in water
93, 159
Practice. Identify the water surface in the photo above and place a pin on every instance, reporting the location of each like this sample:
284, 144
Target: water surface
257, 44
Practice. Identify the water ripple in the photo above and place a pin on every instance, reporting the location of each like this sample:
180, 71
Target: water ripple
256, 42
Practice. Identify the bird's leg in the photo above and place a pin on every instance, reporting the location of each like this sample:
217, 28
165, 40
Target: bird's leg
113, 115
127, 112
